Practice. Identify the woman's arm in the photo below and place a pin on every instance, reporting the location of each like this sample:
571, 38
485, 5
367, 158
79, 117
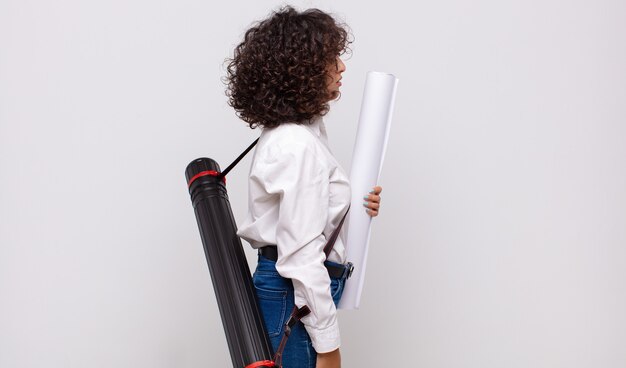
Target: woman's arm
298, 175
372, 203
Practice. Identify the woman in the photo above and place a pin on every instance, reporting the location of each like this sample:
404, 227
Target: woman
281, 78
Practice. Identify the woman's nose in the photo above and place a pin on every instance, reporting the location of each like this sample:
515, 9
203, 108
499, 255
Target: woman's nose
341, 67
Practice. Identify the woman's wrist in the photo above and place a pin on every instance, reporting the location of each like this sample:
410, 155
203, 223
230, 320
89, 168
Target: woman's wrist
331, 359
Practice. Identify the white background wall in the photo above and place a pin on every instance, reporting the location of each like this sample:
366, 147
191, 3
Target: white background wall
502, 237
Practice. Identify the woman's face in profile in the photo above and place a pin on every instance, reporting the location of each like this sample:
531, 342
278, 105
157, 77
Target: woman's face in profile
334, 74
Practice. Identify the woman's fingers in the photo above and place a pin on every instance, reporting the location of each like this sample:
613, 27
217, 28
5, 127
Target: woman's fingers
372, 198
372, 201
372, 205
376, 190
373, 195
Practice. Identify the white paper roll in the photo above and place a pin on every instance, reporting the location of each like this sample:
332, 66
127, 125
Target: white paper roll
367, 161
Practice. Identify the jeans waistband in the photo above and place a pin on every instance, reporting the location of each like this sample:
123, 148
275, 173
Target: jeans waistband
335, 270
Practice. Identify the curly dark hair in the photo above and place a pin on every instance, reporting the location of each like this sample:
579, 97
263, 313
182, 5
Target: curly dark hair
279, 72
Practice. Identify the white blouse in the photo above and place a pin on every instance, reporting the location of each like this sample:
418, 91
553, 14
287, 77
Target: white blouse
297, 196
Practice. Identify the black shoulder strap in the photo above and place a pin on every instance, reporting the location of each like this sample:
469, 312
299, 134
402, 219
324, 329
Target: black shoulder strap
242, 155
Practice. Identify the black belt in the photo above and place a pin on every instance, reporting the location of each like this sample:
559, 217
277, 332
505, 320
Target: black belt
334, 271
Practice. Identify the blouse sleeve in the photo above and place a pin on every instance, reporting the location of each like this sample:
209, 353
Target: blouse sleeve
300, 179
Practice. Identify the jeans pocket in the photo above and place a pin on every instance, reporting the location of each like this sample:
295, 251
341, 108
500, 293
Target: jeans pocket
272, 301
273, 304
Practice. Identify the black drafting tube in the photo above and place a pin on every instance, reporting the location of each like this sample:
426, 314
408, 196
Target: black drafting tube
236, 298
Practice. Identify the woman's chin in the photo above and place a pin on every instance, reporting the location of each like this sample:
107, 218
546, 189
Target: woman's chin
334, 95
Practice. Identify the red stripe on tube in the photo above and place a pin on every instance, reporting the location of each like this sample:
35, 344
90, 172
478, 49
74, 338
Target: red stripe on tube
205, 173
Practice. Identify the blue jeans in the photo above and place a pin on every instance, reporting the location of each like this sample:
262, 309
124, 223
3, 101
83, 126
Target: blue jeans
276, 300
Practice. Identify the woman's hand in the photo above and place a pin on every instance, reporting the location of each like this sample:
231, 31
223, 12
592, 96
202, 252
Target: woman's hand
372, 201
329, 360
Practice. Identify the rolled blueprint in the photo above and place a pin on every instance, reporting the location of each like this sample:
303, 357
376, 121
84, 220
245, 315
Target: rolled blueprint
236, 297
367, 161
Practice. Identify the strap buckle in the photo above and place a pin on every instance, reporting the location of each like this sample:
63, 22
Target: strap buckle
296, 315
350, 269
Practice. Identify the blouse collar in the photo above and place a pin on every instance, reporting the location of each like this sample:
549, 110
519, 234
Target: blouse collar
318, 128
